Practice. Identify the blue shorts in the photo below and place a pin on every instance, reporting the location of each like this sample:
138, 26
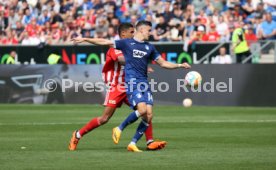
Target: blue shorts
139, 97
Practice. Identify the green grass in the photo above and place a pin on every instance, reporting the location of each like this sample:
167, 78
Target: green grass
198, 138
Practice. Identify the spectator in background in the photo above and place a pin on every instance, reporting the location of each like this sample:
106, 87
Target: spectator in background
222, 29
248, 7
198, 5
161, 31
156, 6
27, 17
188, 30
111, 33
270, 7
250, 36
10, 39
33, 28
176, 33
212, 35
208, 8
268, 28
168, 15
239, 44
270, 3
222, 58
198, 35
13, 18
110, 6
44, 17
101, 29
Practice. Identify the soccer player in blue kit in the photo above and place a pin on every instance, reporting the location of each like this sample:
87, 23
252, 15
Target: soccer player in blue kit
137, 52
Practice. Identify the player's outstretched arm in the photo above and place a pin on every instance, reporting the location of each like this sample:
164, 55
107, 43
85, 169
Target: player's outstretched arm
96, 41
165, 64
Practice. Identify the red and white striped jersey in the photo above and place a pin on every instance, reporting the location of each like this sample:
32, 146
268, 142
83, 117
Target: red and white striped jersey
113, 71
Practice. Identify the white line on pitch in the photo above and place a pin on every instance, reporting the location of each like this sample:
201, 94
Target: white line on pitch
156, 121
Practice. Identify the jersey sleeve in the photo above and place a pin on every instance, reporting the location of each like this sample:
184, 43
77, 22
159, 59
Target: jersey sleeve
119, 44
154, 53
115, 54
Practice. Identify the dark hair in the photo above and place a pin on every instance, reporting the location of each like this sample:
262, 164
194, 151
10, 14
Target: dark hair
123, 27
141, 23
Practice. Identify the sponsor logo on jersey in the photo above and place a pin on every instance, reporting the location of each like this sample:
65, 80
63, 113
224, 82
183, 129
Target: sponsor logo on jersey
132, 43
139, 54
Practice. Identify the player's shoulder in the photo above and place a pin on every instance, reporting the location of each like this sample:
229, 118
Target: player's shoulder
125, 40
112, 50
148, 45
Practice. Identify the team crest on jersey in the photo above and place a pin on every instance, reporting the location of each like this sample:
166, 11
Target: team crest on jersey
147, 47
139, 54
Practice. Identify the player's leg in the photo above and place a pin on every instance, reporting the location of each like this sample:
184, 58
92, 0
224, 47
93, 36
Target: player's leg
151, 143
136, 101
97, 121
141, 128
112, 101
92, 124
132, 117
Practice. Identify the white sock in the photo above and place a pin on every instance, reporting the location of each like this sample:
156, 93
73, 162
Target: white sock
149, 141
137, 113
78, 135
132, 143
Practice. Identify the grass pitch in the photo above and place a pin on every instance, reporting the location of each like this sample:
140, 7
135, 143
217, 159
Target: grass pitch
36, 137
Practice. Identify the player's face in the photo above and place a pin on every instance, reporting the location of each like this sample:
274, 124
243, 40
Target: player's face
129, 33
146, 32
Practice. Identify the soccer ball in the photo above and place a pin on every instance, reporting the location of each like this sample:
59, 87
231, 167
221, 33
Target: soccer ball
193, 79
187, 102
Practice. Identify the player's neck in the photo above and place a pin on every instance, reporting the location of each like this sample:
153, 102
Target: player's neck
138, 37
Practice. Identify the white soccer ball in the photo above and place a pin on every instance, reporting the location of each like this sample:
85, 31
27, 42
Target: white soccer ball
193, 79
187, 102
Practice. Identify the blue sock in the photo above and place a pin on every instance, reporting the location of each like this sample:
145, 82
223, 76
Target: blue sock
140, 131
130, 119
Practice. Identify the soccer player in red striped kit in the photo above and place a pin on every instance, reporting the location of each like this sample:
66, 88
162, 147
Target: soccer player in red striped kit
113, 76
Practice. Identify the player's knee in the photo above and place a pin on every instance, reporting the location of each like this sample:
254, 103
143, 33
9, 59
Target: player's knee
149, 116
142, 111
103, 119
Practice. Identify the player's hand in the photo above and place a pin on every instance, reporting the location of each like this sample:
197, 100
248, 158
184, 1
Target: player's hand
77, 40
185, 65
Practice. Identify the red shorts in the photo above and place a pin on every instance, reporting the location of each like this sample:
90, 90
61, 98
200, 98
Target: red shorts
115, 97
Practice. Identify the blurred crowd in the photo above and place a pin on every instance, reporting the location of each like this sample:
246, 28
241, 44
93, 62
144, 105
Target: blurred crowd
32, 22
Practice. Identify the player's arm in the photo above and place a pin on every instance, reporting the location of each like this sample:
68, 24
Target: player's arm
96, 41
165, 64
121, 60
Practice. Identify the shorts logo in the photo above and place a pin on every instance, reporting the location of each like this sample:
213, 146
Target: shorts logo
112, 101
138, 95
139, 54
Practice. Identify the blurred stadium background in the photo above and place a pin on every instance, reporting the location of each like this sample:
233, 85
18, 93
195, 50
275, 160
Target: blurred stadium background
222, 130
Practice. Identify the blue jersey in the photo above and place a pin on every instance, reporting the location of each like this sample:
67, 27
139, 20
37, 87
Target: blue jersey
137, 54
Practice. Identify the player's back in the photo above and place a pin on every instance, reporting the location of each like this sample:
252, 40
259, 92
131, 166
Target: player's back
113, 71
137, 54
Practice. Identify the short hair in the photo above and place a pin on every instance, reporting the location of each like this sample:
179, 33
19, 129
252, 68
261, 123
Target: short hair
123, 27
141, 23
